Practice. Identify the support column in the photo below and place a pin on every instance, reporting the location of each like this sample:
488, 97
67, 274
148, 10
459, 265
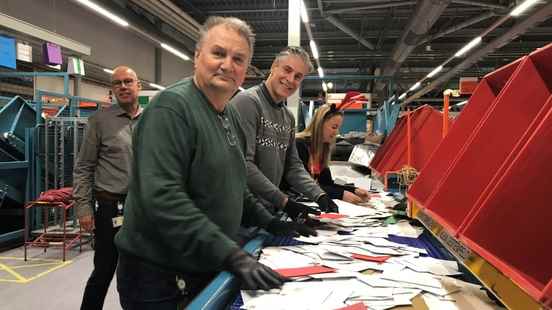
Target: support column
158, 64
294, 39
74, 108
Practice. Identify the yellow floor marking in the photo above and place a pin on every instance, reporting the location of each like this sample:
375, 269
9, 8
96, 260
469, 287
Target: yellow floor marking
33, 265
48, 271
16, 275
8, 280
21, 279
30, 259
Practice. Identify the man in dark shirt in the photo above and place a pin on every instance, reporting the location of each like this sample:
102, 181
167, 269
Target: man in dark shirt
101, 179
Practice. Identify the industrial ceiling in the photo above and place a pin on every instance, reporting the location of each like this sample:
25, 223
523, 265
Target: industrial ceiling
401, 38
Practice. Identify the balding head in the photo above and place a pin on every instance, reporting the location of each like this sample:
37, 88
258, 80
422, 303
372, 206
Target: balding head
125, 85
123, 69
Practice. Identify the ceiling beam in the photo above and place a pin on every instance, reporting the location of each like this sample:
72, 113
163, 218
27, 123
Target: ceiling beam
246, 11
350, 32
462, 25
356, 1
371, 7
538, 16
481, 4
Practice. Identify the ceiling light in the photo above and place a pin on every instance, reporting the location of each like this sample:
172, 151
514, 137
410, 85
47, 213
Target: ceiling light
304, 15
157, 86
435, 71
468, 47
401, 97
320, 72
109, 71
415, 86
116, 19
324, 87
314, 50
522, 7
175, 51
462, 103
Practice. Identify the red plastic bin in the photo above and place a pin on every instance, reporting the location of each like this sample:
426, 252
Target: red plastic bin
390, 143
441, 160
511, 227
505, 123
426, 125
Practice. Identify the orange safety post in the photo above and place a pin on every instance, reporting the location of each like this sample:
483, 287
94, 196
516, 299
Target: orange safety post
445, 112
408, 139
446, 104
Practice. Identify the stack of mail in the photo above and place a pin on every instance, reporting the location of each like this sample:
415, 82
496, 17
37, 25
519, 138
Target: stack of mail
352, 261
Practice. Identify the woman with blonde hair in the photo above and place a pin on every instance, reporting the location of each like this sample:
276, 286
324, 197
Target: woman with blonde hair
315, 145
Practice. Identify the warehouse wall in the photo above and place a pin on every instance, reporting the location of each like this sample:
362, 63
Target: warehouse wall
87, 90
111, 45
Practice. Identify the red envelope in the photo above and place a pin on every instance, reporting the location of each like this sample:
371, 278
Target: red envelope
304, 271
358, 306
377, 259
332, 216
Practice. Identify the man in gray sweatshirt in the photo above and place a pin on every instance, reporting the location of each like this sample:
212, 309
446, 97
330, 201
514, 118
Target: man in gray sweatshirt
270, 133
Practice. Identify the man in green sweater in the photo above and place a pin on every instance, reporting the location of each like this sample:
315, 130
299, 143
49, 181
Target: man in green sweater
188, 195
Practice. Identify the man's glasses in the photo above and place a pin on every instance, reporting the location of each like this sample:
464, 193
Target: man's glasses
232, 140
125, 82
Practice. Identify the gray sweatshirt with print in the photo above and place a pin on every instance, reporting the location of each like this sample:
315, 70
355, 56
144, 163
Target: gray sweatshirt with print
271, 152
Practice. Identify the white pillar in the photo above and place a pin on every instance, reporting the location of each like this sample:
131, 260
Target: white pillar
294, 39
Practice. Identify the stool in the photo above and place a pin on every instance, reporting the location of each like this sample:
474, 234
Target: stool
65, 239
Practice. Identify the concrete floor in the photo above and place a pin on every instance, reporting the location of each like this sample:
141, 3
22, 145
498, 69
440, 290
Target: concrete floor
60, 289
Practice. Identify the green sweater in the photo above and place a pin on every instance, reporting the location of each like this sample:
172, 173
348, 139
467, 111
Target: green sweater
187, 191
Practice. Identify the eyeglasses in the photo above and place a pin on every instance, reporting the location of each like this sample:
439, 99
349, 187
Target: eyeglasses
230, 137
125, 82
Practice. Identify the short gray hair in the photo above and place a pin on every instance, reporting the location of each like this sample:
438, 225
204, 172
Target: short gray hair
295, 51
236, 24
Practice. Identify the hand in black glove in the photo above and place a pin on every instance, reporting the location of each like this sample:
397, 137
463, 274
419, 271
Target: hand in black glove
253, 275
296, 210
313, 223
327, 205
281, 228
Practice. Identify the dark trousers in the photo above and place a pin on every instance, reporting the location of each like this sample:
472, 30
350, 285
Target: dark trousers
143, 286
105, 255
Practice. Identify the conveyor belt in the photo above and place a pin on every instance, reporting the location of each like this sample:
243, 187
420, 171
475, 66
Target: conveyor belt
223, 291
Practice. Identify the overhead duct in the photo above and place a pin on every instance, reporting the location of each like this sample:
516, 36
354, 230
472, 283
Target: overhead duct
519, 28
426, 14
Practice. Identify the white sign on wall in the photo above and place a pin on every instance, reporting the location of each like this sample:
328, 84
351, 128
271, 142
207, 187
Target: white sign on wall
24, 52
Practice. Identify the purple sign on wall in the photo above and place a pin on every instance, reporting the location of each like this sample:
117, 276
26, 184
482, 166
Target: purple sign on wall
51, 54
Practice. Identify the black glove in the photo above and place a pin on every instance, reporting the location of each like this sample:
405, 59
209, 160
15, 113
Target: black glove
281, 228
296, 210
313, 223
327, 205
253, 275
